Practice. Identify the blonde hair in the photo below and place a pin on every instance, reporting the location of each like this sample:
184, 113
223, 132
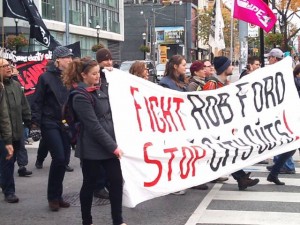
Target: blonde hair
72, 74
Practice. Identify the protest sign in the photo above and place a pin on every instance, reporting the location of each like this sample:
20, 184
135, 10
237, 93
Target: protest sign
176, 140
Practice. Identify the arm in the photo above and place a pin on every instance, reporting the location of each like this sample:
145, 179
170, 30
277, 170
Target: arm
37, 105
210, 85
87, 116
5, 126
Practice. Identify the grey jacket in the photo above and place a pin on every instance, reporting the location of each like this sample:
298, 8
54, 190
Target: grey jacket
97, 138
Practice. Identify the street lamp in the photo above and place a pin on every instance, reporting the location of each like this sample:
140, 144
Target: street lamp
144, 38
98, 28
16, 22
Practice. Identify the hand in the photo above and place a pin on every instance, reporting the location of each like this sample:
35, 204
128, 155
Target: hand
10, 151
118, 152
35, 134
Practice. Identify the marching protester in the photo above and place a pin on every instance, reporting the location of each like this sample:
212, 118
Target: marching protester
296, 73
224, 69
19, 113
96, 145
197, 79
49, 98
175, 79
208, 69
6, 147
139, 69
252, 65
285, 159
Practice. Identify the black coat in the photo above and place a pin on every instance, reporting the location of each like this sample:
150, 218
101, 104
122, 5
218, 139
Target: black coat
97, 138
49, 97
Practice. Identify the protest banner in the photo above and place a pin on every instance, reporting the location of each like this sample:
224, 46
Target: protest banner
175, 140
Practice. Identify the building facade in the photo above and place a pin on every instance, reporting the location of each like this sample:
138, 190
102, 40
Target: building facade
70, 21
168, 29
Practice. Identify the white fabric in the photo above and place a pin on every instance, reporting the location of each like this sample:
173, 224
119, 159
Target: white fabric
169, 147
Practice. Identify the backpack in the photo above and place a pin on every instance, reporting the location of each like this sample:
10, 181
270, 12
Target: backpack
71, 124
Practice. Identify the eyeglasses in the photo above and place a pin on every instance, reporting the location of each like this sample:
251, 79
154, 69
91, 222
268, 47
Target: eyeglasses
5, 66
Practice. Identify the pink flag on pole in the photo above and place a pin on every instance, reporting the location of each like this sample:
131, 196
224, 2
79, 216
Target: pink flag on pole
256, 12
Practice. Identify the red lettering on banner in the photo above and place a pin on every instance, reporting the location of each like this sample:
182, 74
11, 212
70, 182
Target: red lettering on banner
196, 153
164, 112
152, 161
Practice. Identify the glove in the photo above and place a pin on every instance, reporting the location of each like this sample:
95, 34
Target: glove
35, 134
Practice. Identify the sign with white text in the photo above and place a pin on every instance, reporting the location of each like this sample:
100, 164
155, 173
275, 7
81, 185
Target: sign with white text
175, 140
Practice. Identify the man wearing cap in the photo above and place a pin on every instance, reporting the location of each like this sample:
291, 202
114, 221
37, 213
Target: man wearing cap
49, 98
275, 55
283, 163
224, 69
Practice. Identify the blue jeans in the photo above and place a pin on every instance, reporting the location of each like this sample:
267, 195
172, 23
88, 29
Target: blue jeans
22, 155
288, 165
42, 151
282, 158
7, 168
58, 144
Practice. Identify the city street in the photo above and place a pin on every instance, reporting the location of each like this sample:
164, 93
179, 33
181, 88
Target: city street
265, 203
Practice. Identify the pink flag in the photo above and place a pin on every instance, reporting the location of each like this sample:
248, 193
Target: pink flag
256, 12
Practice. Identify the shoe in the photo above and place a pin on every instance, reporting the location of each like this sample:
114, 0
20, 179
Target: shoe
201, 187
286, 171
63, 204
246, 181
219, 180
69, 169
38, 164
11, 198
269, 168
102, 193
264, 162
23, 172
182, 192
54, 205
275, 180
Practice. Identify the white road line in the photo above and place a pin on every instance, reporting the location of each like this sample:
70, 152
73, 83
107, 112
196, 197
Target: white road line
195, 217
249, 217
258, 196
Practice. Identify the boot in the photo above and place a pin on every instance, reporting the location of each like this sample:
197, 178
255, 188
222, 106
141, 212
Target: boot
274, 179
23, 172
246, 181
54, 205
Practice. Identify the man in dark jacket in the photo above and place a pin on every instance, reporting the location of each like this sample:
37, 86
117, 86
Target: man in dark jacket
19, 113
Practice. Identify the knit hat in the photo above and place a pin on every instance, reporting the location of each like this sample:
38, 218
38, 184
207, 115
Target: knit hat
61, 52
221, 63
103, 54
275, 52
196, 66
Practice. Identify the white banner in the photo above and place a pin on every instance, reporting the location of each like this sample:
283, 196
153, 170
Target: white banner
175, 140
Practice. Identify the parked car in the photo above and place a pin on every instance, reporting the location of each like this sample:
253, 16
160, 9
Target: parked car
160, 70
125, 66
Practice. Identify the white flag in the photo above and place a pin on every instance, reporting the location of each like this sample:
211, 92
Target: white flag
216, 37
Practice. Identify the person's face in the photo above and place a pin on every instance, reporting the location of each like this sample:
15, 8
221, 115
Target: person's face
272, 60
92, 77
181, 68
229, 70
5, 68
255, 65
106, 63
208, 69
64, 62
145, 74
200, 73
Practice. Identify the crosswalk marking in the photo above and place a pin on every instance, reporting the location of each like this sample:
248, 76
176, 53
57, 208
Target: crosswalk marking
203, 215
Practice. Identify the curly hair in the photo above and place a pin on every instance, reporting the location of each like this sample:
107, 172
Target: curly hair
181, 80
72, 75
137, 68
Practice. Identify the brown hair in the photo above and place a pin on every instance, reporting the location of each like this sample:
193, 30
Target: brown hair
72, 75
296, 70
137, 68
181, 80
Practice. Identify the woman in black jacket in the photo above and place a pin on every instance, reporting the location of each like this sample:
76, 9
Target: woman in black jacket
96, 144
49, 98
